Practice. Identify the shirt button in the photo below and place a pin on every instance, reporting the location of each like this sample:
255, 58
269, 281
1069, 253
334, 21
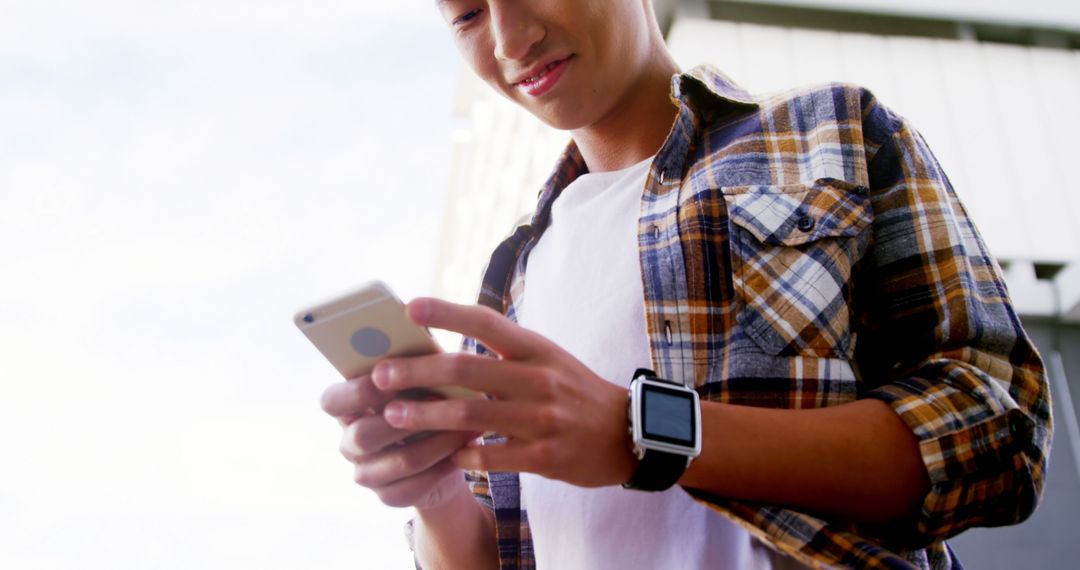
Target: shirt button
806, 223
655, 231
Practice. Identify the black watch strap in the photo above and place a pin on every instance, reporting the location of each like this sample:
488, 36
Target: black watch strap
649, 374
657, 471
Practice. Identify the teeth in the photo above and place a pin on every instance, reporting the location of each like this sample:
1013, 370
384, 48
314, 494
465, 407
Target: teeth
536, 78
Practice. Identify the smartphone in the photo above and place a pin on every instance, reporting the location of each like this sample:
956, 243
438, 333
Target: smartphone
358, 329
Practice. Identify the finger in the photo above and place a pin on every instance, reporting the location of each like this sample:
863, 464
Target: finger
512, 418
397, 463
519, 457
501, 378
482, 323
367, 435
353, 398
423, 490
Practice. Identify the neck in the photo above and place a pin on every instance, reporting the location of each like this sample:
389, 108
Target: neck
636, 127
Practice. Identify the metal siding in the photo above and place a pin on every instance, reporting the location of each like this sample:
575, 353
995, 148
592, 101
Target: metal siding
1058, 14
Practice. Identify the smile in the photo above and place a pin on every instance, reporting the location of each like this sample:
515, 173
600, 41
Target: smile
543, 81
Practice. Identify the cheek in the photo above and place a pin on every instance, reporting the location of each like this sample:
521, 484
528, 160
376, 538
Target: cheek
631, 43
480, 56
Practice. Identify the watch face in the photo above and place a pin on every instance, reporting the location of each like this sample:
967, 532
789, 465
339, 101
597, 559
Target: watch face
668, 415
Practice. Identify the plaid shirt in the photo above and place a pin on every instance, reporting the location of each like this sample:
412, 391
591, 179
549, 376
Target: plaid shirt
804, 250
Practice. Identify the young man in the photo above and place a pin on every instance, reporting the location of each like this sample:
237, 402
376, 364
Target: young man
799, 261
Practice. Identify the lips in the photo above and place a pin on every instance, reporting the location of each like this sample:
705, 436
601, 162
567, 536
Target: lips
540, 74
542, 78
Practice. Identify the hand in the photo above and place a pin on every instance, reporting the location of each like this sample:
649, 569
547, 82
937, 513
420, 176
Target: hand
418, 472
561, 420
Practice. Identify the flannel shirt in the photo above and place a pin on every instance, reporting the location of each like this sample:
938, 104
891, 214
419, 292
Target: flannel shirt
802, 250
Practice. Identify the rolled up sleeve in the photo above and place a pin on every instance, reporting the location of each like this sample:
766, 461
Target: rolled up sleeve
939, 341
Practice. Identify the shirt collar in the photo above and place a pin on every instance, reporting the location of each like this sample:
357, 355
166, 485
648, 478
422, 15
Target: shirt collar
705, 85
705, 90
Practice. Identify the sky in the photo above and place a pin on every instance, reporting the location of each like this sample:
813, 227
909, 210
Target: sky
176, 180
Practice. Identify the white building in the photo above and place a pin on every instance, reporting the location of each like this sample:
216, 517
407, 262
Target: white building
993, 85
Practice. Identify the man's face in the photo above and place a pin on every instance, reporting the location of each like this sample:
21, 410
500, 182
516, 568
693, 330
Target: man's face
569, 62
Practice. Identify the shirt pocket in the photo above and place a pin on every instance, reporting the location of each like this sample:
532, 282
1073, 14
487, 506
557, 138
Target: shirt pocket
793, 251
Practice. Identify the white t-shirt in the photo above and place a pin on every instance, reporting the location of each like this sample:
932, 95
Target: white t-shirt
583, 290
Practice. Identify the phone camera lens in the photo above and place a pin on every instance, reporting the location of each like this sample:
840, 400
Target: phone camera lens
309, 318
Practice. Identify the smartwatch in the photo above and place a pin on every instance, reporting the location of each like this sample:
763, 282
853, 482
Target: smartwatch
665, 425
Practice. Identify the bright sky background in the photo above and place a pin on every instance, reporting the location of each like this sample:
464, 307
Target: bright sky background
176, 179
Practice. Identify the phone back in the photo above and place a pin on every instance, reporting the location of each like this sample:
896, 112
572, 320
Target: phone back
357, 330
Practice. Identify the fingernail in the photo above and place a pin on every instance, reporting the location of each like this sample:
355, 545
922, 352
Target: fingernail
394, 414
421, 310
382, 375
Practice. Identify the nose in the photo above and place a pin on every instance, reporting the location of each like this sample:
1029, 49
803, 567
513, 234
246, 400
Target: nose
516, 30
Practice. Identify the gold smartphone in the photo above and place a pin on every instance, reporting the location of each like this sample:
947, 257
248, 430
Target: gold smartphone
357, 330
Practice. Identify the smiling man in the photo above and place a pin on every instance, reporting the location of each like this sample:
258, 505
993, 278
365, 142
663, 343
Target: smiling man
737, 332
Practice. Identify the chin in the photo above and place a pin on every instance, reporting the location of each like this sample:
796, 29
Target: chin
557, 115
559, 118
559, 123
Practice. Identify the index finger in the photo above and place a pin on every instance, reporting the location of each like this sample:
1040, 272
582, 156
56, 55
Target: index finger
353, 398
477, 321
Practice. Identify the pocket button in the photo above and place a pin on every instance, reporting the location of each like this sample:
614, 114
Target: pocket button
806, 223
